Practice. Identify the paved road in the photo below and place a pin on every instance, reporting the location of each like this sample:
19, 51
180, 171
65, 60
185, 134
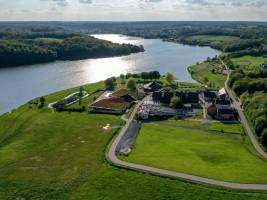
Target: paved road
242, 117
112, 156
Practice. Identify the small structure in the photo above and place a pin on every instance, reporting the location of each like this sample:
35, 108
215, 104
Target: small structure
223, 94
151, 87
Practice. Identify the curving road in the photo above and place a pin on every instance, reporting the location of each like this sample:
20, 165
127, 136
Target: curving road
113, 157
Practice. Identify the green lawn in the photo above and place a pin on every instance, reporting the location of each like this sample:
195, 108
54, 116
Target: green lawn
195, 124
203, 74
52, 156
199, 152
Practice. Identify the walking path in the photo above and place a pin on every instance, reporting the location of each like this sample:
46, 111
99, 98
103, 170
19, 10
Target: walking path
113, 157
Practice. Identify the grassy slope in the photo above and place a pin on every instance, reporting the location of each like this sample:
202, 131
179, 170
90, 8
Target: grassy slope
202, 70
61, 156
198, 152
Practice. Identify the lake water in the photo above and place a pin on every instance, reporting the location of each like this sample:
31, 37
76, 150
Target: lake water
21, 84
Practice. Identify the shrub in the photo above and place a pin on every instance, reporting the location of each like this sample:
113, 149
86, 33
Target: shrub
264, 138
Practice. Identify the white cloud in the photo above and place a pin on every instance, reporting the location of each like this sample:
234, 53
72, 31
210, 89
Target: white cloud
133, 10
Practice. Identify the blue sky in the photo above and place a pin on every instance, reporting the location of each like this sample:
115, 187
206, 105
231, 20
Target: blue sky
133, 10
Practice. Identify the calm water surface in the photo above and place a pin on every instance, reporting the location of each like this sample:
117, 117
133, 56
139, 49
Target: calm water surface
20, 84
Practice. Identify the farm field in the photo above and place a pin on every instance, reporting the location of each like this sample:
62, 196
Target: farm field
199, 151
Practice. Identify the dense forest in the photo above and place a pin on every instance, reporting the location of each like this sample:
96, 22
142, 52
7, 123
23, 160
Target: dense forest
32, 46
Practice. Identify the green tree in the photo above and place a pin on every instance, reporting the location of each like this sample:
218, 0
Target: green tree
42, 100
131, 84
122, 76
145, 75
110, 84
260, 124
176, 102
264, 138
170, 78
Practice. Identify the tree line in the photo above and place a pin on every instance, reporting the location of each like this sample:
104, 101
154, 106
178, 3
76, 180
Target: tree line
31, 48
251, 86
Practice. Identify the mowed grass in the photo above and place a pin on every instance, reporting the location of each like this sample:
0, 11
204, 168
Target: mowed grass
198, 152
48, 155
198, 124
203, 74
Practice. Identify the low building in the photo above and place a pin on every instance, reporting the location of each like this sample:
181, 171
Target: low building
151, 87
187, 97
221, 110
208, 96
113, 102
225, 114
112, 105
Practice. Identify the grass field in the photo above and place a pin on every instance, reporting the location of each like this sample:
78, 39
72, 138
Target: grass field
209, 38
250, 62
47, 155
203, 73
199, 152
215, 126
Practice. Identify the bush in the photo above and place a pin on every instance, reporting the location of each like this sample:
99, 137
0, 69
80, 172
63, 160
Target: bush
260, 124
264, 138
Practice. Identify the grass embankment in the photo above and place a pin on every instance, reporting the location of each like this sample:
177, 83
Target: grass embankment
50, 155
209, 73
201, 150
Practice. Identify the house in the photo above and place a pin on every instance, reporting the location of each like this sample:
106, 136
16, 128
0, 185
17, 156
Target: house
208, 96
153, 86
221, 103
221, 110
188, 97
225, 114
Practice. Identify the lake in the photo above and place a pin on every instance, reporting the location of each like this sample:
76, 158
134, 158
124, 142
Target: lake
21, 84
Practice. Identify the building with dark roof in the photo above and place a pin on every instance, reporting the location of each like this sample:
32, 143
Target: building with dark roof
153, 86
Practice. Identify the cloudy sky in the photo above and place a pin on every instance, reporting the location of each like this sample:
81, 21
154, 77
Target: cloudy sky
133, 10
